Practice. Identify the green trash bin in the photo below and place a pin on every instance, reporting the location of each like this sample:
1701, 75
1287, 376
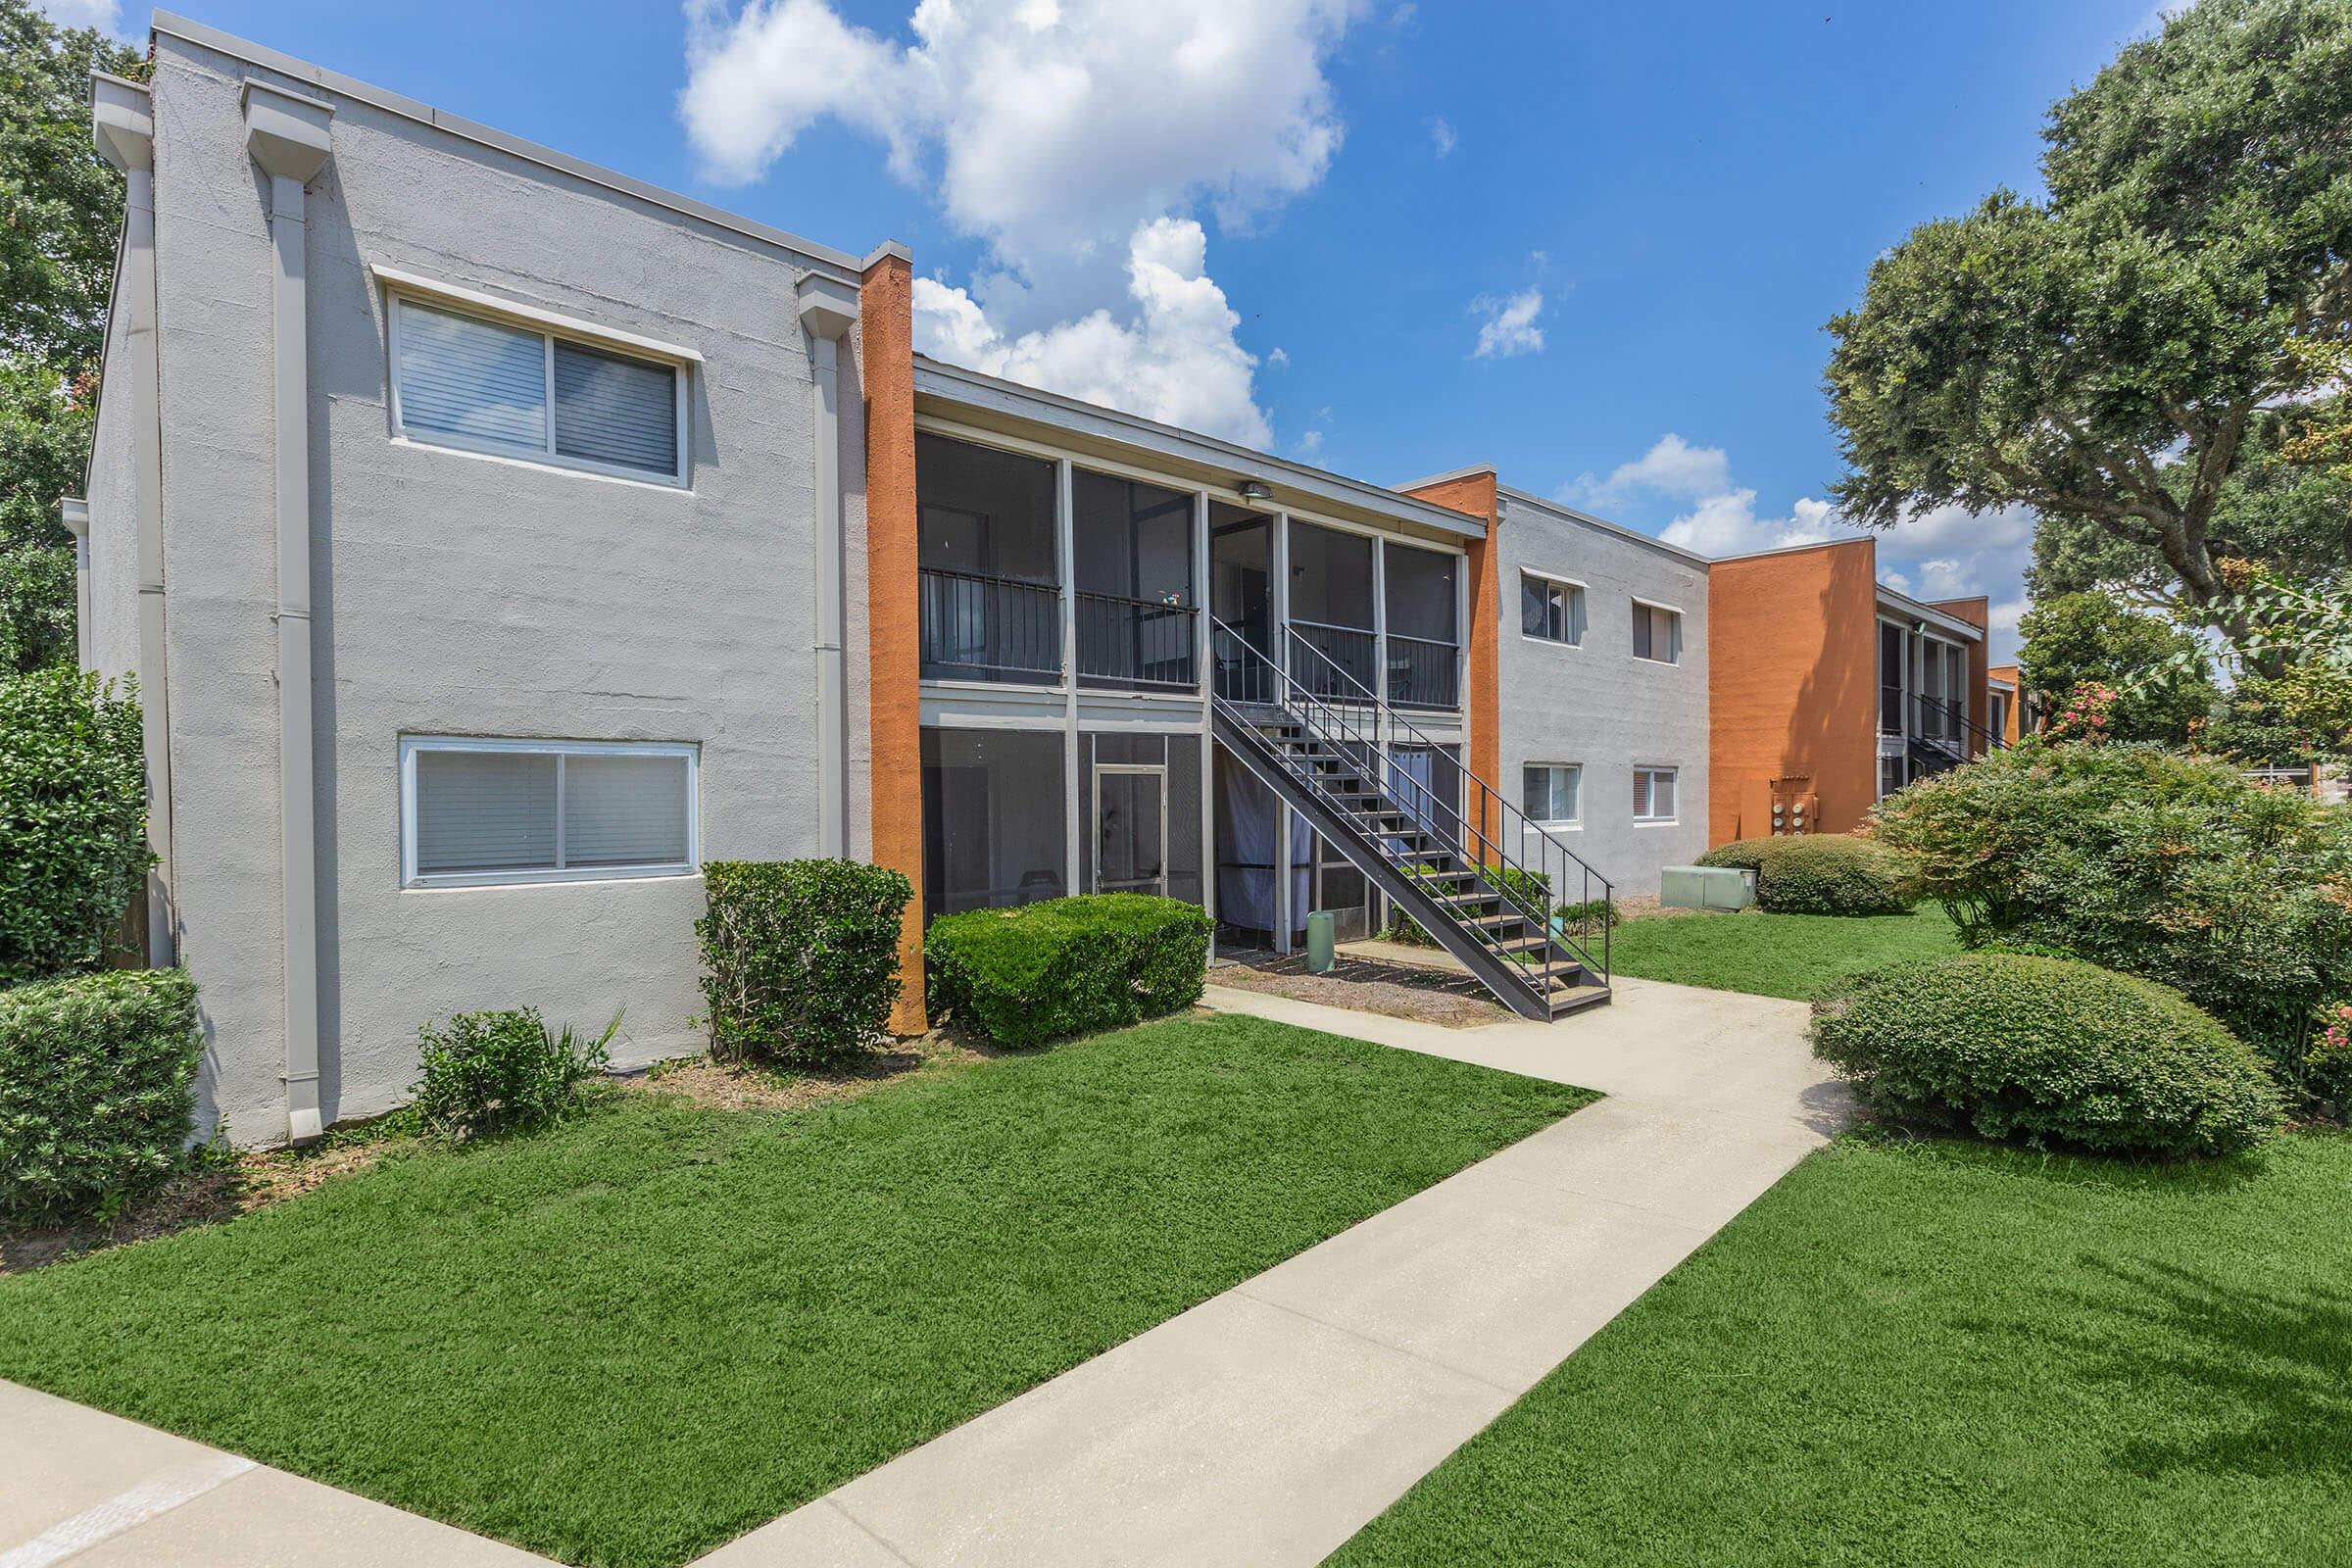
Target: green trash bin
1320, 956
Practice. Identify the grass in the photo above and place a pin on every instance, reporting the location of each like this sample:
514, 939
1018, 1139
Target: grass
1947, 1355
633, 1337
1790, 956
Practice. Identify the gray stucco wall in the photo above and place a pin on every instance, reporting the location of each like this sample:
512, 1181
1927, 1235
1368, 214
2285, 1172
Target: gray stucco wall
470, 594
114, 630
1595, 704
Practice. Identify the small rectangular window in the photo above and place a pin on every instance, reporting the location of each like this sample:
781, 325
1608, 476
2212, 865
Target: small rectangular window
1653, 794
1657, 633
488, 811
488, 386
1548, 792
1550, 610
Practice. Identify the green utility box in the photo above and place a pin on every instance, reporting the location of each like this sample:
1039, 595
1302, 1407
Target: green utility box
1320, 953
1706, 887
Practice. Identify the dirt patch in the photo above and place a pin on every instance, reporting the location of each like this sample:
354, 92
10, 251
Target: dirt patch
1449, 1001
744, 1088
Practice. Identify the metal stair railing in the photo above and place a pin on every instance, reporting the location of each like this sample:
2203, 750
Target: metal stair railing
1961, 725
1345, 715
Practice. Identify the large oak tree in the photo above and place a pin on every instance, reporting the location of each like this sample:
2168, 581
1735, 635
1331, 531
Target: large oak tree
2106, 354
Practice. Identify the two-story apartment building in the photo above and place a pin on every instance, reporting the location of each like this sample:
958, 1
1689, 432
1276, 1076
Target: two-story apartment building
497, 539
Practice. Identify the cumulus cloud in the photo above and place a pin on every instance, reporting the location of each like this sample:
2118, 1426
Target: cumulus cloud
1442, 135
103, 15
1671, 467
1063, 134
1727, 524
1509, 328
1176, 361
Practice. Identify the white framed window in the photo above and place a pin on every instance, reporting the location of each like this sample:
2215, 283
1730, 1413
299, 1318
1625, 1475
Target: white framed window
1551, 610
1657, 633
1653, 794
476, 811
1552, 793
466, 380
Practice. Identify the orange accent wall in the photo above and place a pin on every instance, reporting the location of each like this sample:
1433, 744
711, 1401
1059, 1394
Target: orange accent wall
2016, 700
886, 319
1792, 685
1976, 612
1475, 494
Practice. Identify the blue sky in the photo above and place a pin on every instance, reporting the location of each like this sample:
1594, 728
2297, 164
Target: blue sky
1674, 199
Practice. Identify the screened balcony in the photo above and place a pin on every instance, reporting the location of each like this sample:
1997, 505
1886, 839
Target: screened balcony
1331, 611
1420, 588
989, 603
1138, 607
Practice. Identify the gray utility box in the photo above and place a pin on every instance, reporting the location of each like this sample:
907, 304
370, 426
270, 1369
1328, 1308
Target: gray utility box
1706, 887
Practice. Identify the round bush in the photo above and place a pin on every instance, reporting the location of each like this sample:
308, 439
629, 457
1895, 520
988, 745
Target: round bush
1066, 967
1830, 874
2046, 1051
1741, 854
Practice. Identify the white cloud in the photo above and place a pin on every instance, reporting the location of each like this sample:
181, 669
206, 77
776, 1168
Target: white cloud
1725, 524
1671, 467
1509, 328
1443, 135
1277, 358
1310, 444
1177, 362
1075, 139
103, 15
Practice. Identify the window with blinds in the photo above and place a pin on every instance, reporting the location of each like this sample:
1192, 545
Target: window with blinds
1548, 792
1550, 610
482, 810
1657, 633
1653, 794
461, 380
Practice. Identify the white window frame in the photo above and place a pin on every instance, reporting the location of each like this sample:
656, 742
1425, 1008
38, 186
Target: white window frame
402, 291
1676, 610
1653, 769
413, 745
1583, 593
1562, 823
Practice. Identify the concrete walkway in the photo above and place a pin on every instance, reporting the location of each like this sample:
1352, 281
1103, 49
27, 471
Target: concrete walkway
1266, 1425
1269, 1424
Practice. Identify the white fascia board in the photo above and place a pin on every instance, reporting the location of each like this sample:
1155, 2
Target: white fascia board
807, 252
954, 385
418, 286
1904, 606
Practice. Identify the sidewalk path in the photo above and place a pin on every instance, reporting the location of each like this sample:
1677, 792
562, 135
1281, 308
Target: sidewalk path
1269, 1424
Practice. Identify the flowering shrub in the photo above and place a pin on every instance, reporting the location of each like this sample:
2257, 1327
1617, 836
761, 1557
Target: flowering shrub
2328, 1065
2088, 714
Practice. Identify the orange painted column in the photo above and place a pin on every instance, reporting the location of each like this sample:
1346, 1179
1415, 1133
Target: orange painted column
886, 316
1475, 494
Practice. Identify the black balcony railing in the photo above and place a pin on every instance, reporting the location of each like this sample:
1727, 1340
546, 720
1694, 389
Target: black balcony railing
1346, 659
1424, 672
989, 628
1137, 643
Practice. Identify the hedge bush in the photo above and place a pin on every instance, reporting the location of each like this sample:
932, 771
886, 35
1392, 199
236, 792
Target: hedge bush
2046, 1051
1066, 967
800, 957
1824, 874
1741, 854
486, 1072
97, 1078
2153, 862
72, 821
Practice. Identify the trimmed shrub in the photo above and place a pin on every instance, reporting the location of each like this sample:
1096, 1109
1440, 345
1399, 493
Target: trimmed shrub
1830, 874
488, 1072
72, 821
96, 1089
2153, 862
2046, 1051
800, 957
1066, 967
1741, 854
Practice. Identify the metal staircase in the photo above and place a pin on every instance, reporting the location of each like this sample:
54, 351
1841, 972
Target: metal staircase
1939, 739
1505, 898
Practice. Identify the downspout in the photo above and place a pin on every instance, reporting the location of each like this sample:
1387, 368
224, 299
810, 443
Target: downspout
286, 135
75, 512
122, 125
828, 310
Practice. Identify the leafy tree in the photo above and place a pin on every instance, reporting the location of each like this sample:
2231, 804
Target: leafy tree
2104, 355
2157, 671
61, 208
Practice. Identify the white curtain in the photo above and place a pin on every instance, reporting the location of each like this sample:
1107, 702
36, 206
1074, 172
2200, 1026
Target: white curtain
1246, 814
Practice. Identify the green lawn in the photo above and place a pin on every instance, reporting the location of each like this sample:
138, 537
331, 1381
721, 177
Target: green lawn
1774, 954
629, 1338
1947, 1354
